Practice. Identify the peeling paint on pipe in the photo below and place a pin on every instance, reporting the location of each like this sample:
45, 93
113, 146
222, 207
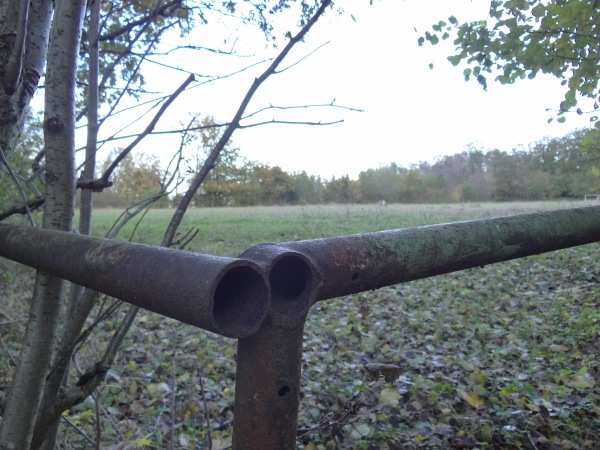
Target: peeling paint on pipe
361, 262
228, 296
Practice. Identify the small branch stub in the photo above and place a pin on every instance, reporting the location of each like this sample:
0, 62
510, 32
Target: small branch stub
53, 125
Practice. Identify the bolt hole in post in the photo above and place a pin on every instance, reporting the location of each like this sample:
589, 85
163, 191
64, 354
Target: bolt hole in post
283, 391
355, 276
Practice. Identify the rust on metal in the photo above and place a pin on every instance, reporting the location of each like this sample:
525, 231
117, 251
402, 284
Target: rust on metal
293, 280
269, 362
267, 388
301, 272
361, 262
229, 296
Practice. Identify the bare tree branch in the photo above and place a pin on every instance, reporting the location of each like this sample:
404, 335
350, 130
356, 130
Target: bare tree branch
103, 182
19, 187
294, 64
159, 11
32, 204
211, 79
288, 122
108, 71
319, 105
235, 124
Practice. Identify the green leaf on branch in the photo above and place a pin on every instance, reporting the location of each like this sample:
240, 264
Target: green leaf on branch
454, 60
467, 73
522, 39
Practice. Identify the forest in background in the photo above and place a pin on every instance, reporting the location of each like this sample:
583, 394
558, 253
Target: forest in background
552, 168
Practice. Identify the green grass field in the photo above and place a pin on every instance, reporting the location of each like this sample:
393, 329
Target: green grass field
229, 231
502, 357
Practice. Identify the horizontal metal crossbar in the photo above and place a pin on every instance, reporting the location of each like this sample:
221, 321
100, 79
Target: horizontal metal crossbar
361, 262
229, 296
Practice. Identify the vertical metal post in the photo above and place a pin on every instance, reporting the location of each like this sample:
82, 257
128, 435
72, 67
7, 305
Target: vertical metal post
267, 388
269, 362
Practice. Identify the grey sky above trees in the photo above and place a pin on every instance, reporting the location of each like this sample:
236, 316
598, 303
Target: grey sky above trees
372, 63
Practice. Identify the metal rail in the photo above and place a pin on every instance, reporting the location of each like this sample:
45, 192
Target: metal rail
361, 262
226, 295
269, 362
264, 296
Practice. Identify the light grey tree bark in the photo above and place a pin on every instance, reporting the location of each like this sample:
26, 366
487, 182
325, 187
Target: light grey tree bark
59, 133
24, 28
81, 300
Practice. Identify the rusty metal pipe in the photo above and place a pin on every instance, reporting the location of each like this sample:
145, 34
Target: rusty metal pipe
293, 280
361, 262
301, 272
267, 388
269, 362
229, 296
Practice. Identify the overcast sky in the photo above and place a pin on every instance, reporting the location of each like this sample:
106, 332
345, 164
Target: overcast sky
373, 63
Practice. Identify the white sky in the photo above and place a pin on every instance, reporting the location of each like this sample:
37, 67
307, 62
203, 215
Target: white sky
411, 113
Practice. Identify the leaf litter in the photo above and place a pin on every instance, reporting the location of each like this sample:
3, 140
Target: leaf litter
500, 357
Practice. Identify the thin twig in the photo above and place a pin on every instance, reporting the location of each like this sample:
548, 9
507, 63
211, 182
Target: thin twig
234, 125
205, 405
72, 348
103, 182
19, 187
190, 236
158, 100
304, 57
149, 128
311, 106
286, 122
227, 124
137, 224
79, 430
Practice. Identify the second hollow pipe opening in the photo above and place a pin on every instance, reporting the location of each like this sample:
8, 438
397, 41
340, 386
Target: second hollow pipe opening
290, 279
293, 280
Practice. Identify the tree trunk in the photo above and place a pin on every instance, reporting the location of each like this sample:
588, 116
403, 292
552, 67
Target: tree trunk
27, 62
80, 301
59, 134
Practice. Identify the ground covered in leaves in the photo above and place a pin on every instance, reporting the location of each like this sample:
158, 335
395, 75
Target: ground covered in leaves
500, 357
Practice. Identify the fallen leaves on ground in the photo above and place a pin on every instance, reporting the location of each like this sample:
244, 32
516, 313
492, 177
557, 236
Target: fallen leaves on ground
501, 357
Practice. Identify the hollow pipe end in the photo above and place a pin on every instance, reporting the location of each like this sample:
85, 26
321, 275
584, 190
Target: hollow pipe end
241, 299
293, 279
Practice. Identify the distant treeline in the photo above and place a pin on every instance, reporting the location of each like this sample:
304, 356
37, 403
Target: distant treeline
549, 169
